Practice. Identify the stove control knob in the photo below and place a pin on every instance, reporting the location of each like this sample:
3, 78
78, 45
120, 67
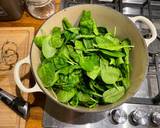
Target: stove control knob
119, 116
155, 117
140, 117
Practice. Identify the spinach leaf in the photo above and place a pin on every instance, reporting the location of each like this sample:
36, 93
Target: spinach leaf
86, 23
103, 43
83, 97
73, 54
95, 86
114, 94
113, 53
91, 85
86, 100
75, 77
95, 29
75, 101
126, 61
85, 36
112, 39
126, 50
65, 96
79, 45
62, 83
47, 50
66, 24
56, 40
91, 93
112, 61
69, 69
94, 73
39, 40
107, 44
109, 74
68, 36
119, 61
63, 52
47, 74
56, 31
74, 30
126, 83
89, 62
60, 62
88, 43
69, 80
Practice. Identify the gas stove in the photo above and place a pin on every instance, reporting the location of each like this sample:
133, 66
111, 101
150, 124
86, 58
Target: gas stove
140, 111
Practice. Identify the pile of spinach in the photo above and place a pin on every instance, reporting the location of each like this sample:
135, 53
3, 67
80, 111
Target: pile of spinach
84, 65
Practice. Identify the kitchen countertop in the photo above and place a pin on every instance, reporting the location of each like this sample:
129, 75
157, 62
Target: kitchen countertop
37, 100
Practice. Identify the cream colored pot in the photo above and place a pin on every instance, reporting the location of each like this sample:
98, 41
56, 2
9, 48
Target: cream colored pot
109, 18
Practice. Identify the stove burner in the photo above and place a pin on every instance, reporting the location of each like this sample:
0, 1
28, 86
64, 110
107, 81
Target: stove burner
154, 47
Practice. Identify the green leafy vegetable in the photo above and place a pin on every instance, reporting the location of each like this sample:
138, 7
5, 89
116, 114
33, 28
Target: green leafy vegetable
47, 74
74, 30
107, 44
113, 53
88, 43
109, 74
112, 61
79, 45
66, 24
39, 40
85, 36
64, 96
56, 40
102, 30
84, 65
89, 62
114, 94
75, 101
86, 100
95, 29
47, 50
86, 23
94, 73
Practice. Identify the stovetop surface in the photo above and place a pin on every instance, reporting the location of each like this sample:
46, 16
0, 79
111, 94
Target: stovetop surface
58, 117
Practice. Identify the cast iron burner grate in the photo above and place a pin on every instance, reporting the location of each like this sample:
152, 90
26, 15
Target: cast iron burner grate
148, 8
68, 3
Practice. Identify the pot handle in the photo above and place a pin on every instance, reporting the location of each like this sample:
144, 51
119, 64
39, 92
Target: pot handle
149, 24
19, 83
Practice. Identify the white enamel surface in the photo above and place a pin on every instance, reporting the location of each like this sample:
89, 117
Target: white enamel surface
19, 83
150, 25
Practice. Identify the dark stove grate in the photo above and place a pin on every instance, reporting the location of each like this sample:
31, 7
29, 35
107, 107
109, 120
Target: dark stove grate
113, 4
156, 63
68, 3
147, 8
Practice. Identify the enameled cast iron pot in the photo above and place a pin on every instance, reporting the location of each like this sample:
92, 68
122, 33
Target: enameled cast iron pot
109, 18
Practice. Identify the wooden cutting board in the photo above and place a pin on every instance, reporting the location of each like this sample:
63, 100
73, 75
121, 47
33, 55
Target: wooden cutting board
15, 43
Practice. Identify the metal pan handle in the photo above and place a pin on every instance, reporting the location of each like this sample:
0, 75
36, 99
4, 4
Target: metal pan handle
19, 83
149, 24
